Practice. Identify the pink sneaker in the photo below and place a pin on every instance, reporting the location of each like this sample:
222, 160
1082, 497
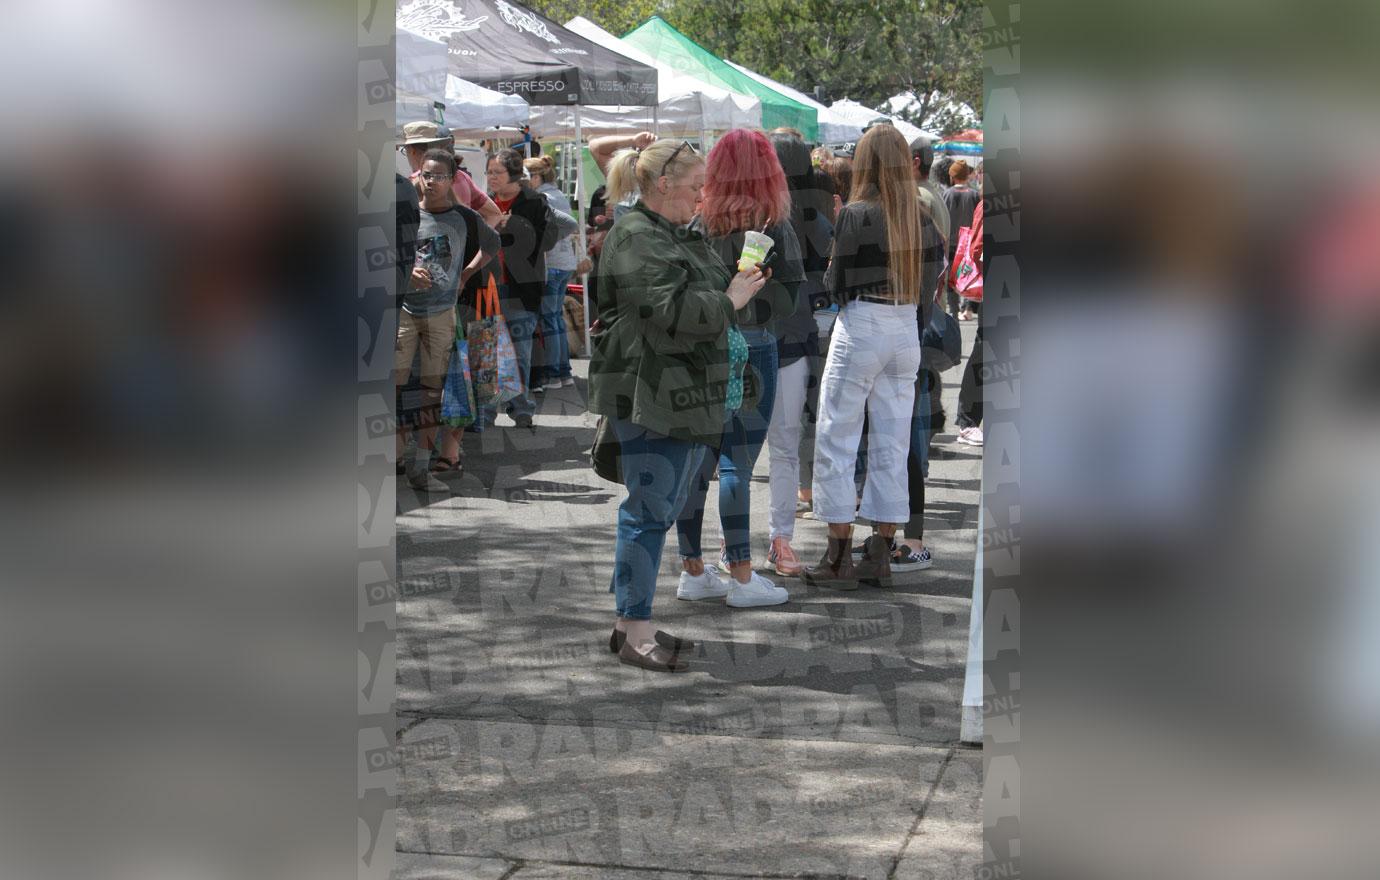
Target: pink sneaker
783, 559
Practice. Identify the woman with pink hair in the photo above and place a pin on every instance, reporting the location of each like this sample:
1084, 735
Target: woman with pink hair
745, 189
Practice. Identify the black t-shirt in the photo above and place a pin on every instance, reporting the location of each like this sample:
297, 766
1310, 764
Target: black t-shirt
961, 201
478, 234
777, 298
859, 266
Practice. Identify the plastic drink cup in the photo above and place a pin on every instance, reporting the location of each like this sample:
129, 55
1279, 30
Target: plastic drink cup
755, 248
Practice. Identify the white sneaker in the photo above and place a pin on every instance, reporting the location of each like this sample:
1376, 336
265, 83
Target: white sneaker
704, 586
758, 591
568, 382
971, 436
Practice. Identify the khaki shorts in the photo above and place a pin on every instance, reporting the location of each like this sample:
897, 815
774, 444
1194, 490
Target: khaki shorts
436, 336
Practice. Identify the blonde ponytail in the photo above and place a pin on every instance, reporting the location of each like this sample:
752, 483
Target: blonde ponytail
622, 177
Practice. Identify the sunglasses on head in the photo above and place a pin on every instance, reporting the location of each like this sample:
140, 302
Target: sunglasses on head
667, 163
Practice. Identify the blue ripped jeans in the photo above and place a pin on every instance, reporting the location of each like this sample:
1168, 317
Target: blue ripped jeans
554, 364
744, 434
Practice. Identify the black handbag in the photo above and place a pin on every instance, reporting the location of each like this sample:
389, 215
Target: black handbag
606, 455
941, 340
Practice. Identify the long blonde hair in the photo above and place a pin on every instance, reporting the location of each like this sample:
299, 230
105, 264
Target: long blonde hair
630, 169
882, 173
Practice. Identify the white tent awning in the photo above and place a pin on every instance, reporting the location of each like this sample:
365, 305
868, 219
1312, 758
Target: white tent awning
469, 110
685, 105
861, 115
834, 128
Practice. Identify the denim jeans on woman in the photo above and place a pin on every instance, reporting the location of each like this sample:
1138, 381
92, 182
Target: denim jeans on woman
744, 434
554, 363
656, 472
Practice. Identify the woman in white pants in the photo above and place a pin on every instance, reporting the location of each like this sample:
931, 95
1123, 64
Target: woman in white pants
874, 357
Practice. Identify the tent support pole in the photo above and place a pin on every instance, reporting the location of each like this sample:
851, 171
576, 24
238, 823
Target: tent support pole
584, 221
656, 121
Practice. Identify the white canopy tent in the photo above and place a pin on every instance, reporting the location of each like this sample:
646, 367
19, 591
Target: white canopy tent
964, 115
861, 115
470, 110
834, 128
685, 105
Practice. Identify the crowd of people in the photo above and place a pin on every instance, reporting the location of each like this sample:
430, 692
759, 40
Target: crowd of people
765, 295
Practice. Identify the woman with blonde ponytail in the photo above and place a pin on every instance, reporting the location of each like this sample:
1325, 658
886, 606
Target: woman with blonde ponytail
552, 364
874, 357
661, 373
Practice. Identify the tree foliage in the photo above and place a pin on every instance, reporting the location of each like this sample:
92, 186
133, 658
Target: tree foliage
866, 51
615, 16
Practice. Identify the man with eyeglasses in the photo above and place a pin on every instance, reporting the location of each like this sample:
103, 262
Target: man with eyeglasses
447, 253
418, 137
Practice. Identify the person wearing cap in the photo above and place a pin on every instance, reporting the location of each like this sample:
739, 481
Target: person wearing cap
418, 137
931, 199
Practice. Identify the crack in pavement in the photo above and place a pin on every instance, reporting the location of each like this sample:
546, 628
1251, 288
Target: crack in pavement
920, 816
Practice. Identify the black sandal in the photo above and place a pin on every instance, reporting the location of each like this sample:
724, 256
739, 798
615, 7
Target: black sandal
444, 465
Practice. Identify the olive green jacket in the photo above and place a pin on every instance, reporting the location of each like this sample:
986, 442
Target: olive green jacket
661, 360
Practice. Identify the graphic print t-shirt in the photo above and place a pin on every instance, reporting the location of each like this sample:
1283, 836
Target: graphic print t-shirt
441, 251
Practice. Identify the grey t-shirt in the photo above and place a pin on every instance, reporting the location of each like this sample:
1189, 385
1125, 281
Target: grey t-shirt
933, 202
441, 251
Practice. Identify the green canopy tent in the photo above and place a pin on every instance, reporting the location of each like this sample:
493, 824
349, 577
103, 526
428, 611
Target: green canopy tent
668, 45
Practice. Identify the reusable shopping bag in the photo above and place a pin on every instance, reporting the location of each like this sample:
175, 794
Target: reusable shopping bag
493, 359
457, 397
967, 269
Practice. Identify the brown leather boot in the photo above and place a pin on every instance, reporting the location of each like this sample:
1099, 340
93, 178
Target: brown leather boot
874, 569
835, 570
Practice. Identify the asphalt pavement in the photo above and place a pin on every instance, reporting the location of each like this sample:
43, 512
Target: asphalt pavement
815, 739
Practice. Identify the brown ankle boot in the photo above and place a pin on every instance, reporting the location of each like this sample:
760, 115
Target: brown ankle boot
874, 569
835, 570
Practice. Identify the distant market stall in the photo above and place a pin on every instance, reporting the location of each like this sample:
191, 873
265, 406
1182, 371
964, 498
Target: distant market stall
965, 143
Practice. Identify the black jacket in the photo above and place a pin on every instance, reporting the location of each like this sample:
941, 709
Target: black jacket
530, 232
407, 218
